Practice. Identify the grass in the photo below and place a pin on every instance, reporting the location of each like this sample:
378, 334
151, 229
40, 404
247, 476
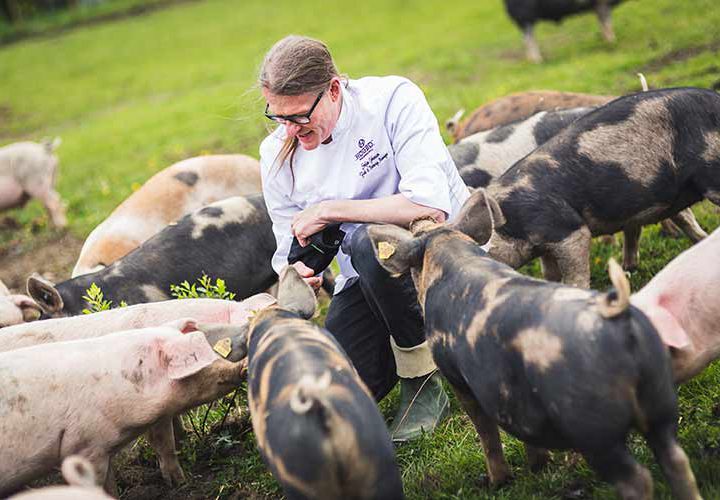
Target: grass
131, 96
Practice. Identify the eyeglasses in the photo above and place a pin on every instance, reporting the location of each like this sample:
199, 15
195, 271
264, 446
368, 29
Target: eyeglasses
299, 119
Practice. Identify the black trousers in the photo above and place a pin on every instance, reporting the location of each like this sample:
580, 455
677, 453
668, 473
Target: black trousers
368, 311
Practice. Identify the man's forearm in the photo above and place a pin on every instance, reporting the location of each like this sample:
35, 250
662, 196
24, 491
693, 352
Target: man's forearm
395, 209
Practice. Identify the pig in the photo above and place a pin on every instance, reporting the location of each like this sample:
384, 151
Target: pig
316, 424
515, 107
16, 309
525, 13
28, 170
682, 302
178, 190
639, 159
484, 156
91, 397
80, 476
555, 366
213, 312
230, 239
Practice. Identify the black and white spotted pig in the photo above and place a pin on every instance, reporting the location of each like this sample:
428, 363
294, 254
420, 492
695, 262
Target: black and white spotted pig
485, 156
230, 239
317, 426
556, 366
639, 159
525, 13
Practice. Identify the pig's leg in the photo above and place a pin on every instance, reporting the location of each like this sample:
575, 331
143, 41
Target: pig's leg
617, 466
110, 481
631, 252
603, 12
178, 431
532, 49
537, 457
550, 269
51, 201
687, 222
669, 228
573, 257
161, 438
487, 429
674, 463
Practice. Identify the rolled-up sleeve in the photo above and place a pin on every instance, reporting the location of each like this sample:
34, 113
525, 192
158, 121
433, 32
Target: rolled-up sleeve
421, 156
280, 208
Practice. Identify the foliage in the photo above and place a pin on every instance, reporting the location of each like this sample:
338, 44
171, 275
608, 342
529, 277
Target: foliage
96, 300
206, 289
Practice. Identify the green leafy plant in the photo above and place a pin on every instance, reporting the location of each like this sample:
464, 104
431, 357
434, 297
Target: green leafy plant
203, 289
96, 300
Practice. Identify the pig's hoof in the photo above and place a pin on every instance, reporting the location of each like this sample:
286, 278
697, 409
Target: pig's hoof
174, 477
485, 481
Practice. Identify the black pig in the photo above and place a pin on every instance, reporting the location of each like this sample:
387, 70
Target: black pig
231, 239
317, 426
526, 13
555, 366
635, 161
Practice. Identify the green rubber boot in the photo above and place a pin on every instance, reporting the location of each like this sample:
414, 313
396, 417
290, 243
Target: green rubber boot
423, 405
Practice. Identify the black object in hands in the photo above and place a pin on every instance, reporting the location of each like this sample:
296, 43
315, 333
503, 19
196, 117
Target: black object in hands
321, 249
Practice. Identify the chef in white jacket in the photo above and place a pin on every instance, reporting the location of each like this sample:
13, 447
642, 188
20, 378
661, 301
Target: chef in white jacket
348, 153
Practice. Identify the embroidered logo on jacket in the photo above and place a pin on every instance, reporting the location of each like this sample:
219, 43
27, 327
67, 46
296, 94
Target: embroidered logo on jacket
365, 149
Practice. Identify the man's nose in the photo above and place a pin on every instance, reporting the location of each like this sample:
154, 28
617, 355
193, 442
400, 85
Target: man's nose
292, 129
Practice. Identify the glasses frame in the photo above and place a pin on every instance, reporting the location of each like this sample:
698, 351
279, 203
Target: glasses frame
298, 119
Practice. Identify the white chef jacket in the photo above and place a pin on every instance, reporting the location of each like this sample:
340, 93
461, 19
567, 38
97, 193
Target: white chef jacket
386, 141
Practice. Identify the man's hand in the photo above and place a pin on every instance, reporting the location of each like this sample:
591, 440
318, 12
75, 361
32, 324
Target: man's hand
308, 222
308, 275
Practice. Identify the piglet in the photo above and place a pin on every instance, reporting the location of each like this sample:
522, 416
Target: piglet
80, 477
317, 426
16, 309
520, 106
221, 314
230, 239
682, 302
555, 366
91, 397
635, 161
167, 196
28, 170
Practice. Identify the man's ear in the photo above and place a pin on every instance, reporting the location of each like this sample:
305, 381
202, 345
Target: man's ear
479, 216
396, 249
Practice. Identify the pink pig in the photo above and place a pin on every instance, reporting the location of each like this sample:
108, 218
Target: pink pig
682, 303
161, 435
16, 309
80, 477
91, 397
27, 170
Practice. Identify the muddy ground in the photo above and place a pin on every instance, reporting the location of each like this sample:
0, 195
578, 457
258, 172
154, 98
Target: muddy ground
52, 254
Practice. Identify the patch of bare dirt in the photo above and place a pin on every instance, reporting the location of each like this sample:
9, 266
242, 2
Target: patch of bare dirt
679, 55
53, 255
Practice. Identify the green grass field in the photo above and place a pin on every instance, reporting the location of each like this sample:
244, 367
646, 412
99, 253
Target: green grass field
131, 96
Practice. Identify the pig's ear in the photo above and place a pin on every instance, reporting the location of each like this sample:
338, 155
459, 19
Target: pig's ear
45, 294
294, 294
187, 354
479, 216
3, 289
396, 249
51, 145
184, 325
30, 310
